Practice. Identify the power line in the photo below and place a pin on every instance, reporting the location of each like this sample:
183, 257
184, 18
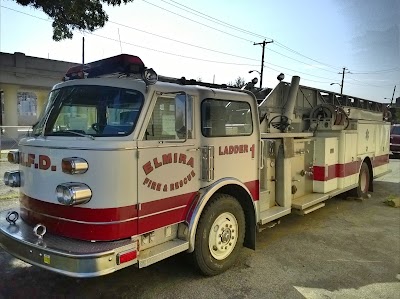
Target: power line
294, 51
366, 84
314, 66
173, 54
212, 50
160, 36
174, 40
299, 71
198, 22
139, 46
212, 19
396, 69
181, 42
189, 57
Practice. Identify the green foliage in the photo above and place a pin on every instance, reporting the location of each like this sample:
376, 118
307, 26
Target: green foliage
74, 14
395, 115
239, 82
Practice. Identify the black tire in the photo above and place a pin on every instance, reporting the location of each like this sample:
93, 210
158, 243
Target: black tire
215, 227
364, 178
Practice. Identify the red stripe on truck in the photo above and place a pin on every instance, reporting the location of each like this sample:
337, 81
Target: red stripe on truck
321, 173
254, 188
105, 224
111, 223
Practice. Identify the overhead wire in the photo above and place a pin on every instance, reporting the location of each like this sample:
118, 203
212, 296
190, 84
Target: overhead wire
377, 72
245, 39
190, 57
165, 52
212, 19
198, 13
181, 42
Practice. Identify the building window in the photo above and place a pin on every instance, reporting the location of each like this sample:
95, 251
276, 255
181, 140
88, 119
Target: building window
225, 118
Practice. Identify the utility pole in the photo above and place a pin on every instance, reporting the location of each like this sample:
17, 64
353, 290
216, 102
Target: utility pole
262, 59
343, 72
391, 102
83, 50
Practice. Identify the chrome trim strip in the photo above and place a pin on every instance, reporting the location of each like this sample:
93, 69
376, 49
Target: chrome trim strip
165, 145
161, 227
105, 223
79, 221
82, 148
160, 212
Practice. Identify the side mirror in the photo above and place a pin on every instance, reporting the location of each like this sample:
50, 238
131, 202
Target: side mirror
181, 115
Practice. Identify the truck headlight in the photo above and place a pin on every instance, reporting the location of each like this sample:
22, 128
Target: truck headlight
12, 178
70, 194
13, 156
74, 165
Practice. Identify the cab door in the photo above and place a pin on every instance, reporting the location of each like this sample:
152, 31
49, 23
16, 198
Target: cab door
168, 163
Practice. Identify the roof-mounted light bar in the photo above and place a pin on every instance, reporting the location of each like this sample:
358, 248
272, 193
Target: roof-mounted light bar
120, 64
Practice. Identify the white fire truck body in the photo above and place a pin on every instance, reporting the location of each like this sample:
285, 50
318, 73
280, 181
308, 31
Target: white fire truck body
123, 171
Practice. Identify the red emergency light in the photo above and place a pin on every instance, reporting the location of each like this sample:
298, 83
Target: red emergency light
120, 64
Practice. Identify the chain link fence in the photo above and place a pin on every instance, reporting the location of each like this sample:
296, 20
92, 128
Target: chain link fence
10, 136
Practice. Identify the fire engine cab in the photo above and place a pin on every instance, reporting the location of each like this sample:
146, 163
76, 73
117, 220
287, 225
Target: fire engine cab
125, 167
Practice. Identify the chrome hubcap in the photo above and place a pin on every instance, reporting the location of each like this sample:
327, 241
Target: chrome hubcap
363, 182
223, 236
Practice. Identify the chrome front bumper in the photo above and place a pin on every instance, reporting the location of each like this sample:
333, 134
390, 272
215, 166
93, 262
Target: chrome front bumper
62, 255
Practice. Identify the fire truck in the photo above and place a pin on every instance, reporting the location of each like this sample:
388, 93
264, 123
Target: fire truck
125, 167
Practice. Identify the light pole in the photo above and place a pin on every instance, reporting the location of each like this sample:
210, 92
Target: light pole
259, 74
341, 87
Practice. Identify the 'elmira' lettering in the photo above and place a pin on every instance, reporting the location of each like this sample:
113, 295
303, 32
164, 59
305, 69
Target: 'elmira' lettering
166, 159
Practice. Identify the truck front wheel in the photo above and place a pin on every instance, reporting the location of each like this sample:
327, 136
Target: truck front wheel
219, 235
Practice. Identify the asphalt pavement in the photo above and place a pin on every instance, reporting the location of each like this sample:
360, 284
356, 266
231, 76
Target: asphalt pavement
348, 249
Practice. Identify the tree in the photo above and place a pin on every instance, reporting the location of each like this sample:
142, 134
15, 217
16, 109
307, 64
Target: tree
239, 82
74, 14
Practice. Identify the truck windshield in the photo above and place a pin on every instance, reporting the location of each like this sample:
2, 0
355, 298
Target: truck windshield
93, 111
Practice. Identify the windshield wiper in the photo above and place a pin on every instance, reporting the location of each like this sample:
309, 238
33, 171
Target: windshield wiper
74, 133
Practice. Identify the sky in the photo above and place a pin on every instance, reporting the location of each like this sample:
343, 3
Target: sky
214, 40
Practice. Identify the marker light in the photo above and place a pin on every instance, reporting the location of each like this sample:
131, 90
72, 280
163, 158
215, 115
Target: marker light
124, 63
126, 256
13, 156
74, 165
70, 194
12, 178
149, 76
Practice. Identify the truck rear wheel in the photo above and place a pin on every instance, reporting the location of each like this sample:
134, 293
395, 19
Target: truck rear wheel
363, 182
219, 235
